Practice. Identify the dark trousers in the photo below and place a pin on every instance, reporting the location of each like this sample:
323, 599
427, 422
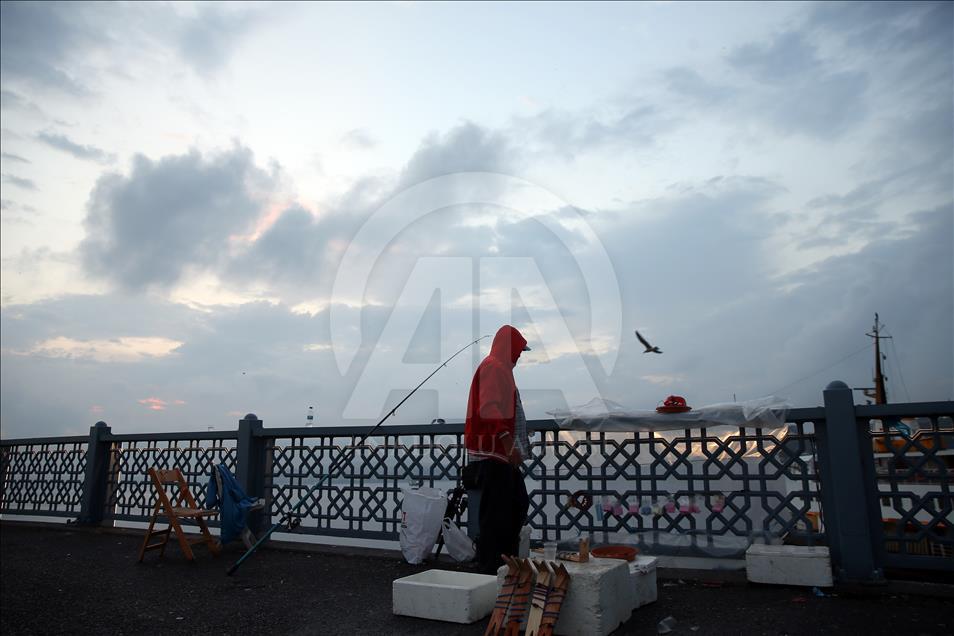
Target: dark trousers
503, 512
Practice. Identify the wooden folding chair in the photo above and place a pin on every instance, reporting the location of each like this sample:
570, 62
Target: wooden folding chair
173, 509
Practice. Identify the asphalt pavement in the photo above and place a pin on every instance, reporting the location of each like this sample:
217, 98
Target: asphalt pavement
69, 580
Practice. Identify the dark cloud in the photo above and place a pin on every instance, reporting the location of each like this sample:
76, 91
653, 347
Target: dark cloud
919, 161
10, 100
207, 40
635, 125
688, 83
299, 246
37, 40
359, 138
930, 173
908, 277
80, 151
848, 226
26, 325
888, 27
699, 274
702, 288
13, 206
6, 156
244, 359
465, 148
682, 250
865, 192
298, 254
825, 106
289, 255
798, 92
166, 216
785, 58
913, 151
801, 98
14, 213
908, 45
49, 44
20, 182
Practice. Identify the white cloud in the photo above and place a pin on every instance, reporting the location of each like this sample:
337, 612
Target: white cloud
122, 349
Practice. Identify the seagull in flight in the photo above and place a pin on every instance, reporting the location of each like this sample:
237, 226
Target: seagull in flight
649, 348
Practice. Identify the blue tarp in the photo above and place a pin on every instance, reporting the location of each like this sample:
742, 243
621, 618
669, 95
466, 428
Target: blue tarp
233, 503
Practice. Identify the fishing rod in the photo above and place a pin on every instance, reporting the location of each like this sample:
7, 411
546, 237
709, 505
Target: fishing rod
342, 459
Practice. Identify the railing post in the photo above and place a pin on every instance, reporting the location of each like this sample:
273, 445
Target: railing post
4, 463
93, 503
250, 463
844, 452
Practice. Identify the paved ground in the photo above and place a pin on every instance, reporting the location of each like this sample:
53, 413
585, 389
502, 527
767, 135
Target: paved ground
81, 581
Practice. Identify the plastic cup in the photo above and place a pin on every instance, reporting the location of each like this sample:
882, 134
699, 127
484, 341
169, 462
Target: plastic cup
549, 550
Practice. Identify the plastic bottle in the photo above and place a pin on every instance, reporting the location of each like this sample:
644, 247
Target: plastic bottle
310, 417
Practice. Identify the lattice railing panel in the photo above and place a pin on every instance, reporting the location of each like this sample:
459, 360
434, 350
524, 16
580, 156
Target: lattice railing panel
692, 484
914, 470
130, 493
43, 478
364, 498
742, 484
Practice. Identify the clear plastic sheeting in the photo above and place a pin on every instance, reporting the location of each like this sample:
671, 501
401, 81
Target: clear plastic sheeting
683, 544
607, 416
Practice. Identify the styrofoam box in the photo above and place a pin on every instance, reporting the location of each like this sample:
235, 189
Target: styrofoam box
458, 597
642, 573
788, 565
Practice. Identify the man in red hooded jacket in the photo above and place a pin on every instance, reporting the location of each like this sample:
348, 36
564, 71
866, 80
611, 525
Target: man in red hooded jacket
496, 440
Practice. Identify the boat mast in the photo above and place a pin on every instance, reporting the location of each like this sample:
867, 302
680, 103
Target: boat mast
879, 393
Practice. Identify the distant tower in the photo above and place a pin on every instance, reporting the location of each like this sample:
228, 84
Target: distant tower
310, 417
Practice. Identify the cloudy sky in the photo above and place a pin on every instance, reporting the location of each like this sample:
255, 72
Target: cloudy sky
214, 209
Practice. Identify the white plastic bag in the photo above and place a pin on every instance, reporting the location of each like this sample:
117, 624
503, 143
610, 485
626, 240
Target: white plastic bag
459, 545
421, 514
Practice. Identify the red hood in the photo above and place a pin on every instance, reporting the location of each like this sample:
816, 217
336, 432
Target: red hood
508, 345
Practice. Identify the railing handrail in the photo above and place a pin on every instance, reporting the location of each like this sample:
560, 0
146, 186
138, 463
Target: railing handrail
448, 428
31, 441
169, 437
905, 409
451, 428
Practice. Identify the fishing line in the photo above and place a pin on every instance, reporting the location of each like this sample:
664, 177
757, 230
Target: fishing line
343, 457
894, 350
